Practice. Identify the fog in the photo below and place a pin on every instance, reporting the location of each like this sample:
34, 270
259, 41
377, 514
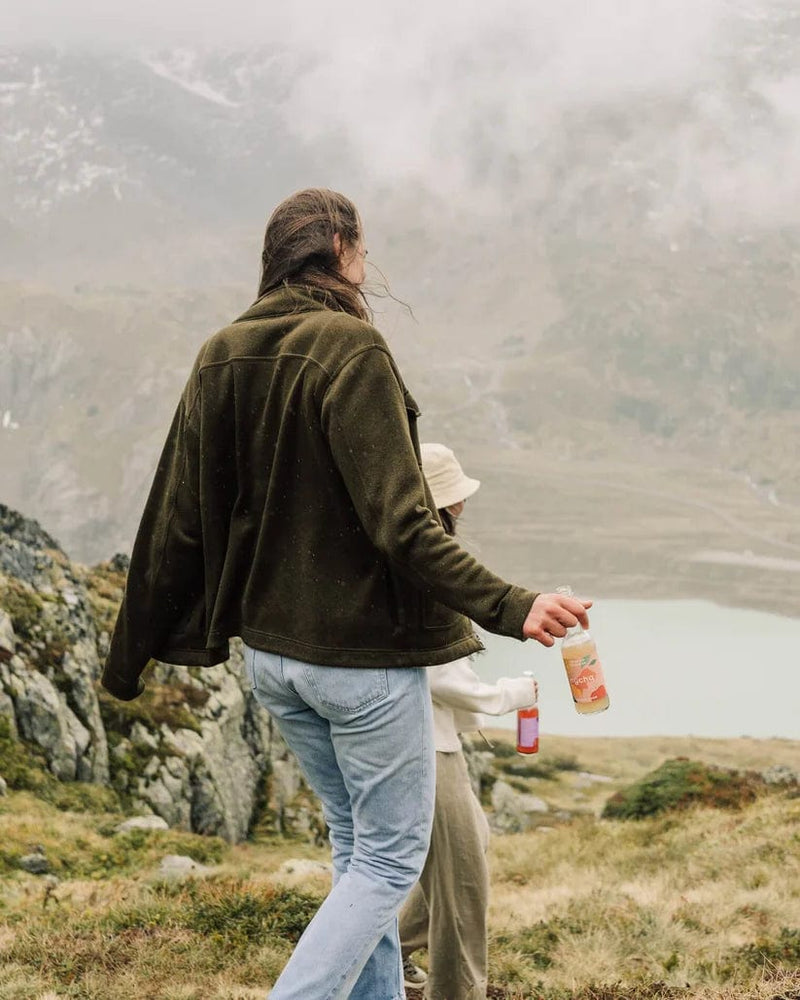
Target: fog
414, 91
616, 179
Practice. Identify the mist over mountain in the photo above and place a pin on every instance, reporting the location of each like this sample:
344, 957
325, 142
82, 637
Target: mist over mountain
594, 219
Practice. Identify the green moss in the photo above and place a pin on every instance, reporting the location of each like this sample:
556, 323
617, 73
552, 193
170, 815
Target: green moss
680, 783
51, 663
105, 584
25, 769
23, 606
82, 796
159, 704
104, 854
536, 944
264, 819
239, 914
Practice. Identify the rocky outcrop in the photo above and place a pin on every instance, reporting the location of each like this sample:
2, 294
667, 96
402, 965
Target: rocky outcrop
49, 662
207, 763
195, 749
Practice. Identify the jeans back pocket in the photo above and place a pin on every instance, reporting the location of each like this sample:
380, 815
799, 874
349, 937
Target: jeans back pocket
347, 689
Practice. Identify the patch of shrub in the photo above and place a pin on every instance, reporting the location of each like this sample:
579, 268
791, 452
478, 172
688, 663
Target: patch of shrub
242, 914
129, 851
264, 821
519, 768
536, 944
785, 950
23, 606
20, 764
250, 915
159, 704
82, 797
204, 848
487, 782
25, 770
625, 991
538, 767
680, 783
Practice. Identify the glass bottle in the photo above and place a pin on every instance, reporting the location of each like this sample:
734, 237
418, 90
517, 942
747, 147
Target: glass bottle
528, 727
584, 670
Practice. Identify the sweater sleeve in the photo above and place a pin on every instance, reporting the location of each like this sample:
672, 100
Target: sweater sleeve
365, 418
458, 686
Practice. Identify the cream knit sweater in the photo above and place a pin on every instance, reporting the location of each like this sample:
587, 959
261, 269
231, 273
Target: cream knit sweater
460, 698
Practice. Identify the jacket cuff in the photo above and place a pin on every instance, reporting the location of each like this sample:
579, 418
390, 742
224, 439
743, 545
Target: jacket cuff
124, 688
516, 608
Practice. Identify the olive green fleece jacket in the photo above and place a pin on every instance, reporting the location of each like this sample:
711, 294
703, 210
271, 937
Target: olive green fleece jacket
289, 508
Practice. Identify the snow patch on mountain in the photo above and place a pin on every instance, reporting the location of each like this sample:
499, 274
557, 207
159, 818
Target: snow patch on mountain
180, 68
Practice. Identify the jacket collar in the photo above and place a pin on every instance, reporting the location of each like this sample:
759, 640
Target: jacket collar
285, 300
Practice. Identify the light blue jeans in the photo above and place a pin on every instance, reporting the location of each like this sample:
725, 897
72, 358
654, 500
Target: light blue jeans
364, 739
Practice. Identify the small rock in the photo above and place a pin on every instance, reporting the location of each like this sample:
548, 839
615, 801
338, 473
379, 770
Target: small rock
513, 810
7, 637
179, 866
299, 869
142, 823
70, 598
142, 737
780, 774
585, 778
3, 787
35, 863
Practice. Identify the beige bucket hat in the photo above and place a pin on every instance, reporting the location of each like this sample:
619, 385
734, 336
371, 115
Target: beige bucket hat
445, 476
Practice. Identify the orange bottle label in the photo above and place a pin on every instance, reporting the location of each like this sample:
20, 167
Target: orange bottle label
584, 672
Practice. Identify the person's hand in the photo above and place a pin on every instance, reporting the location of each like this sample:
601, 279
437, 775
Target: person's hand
552, 614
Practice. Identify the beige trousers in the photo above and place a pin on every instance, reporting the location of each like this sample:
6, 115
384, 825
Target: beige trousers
446, 911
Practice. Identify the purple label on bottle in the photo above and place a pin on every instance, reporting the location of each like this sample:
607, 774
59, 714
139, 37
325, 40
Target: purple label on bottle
528, 731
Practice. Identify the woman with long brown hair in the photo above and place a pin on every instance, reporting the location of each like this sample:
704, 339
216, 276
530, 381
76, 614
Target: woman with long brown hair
289, 508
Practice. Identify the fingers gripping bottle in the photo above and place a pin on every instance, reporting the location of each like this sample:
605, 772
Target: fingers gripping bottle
528, 728
584, 670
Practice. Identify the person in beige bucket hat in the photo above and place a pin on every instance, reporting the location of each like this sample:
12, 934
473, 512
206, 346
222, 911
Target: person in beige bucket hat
449, 486
447, 909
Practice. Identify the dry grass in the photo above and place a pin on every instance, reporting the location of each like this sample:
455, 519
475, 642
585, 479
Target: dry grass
699, 905
687, 901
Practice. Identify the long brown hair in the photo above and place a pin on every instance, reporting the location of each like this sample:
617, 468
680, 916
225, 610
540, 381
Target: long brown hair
298, 248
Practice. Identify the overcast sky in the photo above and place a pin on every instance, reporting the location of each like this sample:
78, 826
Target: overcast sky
344, 24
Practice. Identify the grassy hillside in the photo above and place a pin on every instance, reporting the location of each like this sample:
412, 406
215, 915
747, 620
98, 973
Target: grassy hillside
701, 903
